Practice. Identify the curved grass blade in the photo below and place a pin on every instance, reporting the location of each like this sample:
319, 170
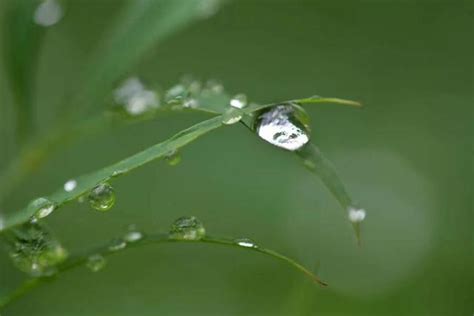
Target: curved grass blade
318, 99
151, 239
21, 41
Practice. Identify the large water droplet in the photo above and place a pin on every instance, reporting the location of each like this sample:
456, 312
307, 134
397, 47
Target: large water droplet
34, 250
70, 185
187, 228
245, 242
48, 13
173, 157
102, 197
96, 262
285, 126
239, 101
135, 98
356, 215
42, 207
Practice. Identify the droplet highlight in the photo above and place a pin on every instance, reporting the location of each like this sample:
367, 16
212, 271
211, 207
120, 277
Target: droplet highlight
96, 262
239, 101
187, 228
245, 242
133, 235
70, 185
231, 116
285, 126
117, 244
356, 215
102, 197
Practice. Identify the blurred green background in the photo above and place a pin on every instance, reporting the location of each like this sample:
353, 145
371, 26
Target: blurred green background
406, 157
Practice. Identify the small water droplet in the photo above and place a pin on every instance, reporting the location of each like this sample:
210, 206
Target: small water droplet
48, 13
356, 215
117, 244
133, 235
135, 98
187, 228
239, 101
245, 242
178, 91
70, 185
96, 262
191, 103
232, 116
284, 126
34, 250
42, 207
102, 197
173, 157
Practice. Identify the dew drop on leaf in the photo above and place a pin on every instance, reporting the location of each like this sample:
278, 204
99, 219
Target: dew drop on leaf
41, 207
133, 234
187, 228
245, 242
48, 13
96, 262
70, 185
285, 126
239, 101
356, 215
173, 157
231, 116
117, 244
34, 250
102, 197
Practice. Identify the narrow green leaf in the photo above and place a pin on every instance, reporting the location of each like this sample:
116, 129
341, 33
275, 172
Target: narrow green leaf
21, 41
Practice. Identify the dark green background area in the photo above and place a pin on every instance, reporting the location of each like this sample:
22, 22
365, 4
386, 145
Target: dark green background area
406, 157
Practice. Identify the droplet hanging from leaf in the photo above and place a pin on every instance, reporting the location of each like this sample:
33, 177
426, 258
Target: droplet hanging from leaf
102, 197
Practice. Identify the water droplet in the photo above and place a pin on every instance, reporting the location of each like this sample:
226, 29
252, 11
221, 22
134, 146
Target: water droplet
42, 207
187, 228
96, 262
133, 235
117, 244
135, 98
239, 101
191, 103
356, 215
102, 197
48, 13
284, 126
173, 157
70, 185
232, 116
245, 242
34, 250
175, 93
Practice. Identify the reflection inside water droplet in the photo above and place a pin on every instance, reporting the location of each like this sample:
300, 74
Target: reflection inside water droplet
284, 126
41, 207
34, 250
96, 262
187, 228
102, 197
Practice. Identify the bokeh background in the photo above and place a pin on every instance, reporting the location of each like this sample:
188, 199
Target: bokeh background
407, 157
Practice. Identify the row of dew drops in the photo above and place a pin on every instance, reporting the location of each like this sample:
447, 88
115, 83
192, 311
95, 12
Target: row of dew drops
34, 250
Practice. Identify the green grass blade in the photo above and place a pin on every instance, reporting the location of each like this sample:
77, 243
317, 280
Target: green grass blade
147, 240
21, 41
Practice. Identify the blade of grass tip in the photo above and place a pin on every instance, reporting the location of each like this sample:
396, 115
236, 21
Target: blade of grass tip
21, 41
316, 163
140, 25
314, 100
149, 239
